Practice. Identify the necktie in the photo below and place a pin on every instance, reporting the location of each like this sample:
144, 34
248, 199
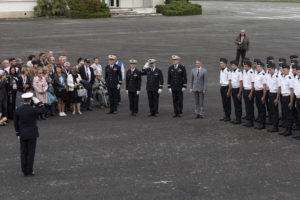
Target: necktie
198, 72
87, 75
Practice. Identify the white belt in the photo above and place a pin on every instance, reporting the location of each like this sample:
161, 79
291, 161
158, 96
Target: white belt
285, 94
273, 91
223, 85
235, 87
246, 88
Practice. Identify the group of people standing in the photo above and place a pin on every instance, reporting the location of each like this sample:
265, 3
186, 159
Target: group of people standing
267, 87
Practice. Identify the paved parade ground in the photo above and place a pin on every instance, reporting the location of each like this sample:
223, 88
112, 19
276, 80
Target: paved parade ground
119, 157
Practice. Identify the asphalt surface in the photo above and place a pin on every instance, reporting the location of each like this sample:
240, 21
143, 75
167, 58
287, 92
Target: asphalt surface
99, 156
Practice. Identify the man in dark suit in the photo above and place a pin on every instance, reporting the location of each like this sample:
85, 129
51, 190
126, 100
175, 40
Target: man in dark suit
88, 77
133, 87
155, 82
42, 62
27, 132
113, 79
177, 83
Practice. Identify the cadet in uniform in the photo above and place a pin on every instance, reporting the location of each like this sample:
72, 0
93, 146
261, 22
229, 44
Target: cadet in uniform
177, 83
236, 91
248, 93
27, 132
260, 94
113, 79
155, 82
297, 97
287, 92
225, 89
273, 83
133, 87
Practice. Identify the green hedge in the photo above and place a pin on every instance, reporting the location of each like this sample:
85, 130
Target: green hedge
179, 8
46, 8
88, 9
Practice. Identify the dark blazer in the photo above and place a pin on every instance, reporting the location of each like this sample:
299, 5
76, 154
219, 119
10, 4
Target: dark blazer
25, 122
82, 73
20, 84
133, 80
57, 85
155, 79
177, 78
245, 45
113, 76
3, 91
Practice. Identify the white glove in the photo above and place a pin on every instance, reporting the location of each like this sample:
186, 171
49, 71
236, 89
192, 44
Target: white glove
159, 91
138, 92
126, 91
170, 90
35, 100
18, 138
146, 65
183, 89
118, 86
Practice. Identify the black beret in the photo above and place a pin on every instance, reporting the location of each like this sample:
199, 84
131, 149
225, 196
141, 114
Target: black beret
248, 63
87, 60
261, 63
223, 60
282, 60
293, 56
271, 65
270, 58
256, 60
245, 59
294, 66
285, 66
234, 62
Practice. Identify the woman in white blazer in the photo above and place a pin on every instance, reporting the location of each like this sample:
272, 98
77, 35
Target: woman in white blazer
74, 84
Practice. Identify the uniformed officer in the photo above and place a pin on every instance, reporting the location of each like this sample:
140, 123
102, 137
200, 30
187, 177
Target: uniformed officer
113, 79
273, 83
155, 82
248, 92
260, 94
297, 97
236, 91
287, 92
225, 89
27, 132
133, 86
177, 83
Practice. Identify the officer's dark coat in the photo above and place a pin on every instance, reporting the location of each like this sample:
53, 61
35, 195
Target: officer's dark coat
155, 79
177, 78
133, 80
113, 76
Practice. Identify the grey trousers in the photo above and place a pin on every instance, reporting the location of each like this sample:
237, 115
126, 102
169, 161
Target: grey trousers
199, 102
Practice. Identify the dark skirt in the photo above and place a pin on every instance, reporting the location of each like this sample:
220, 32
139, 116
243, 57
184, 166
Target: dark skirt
73, 97
63, 94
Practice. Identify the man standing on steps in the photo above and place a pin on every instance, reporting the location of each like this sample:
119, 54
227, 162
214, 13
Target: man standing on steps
177, 83
198, 87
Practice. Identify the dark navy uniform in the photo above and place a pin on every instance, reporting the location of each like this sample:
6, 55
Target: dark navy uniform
177, 80
26, 128
155, 81
133, 86
113, 79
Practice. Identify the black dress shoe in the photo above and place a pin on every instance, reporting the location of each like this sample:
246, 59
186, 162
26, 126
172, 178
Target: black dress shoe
288, 133
89, 109
179, 115
244, 117
222, 119
154, 115
201, 116
110, 112
174, 116
282, 132
237, 122
259, 127
273, 129
226, 119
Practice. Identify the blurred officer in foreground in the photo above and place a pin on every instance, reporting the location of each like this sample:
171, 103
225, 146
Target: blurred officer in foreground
177, 83
155, 82
27, 132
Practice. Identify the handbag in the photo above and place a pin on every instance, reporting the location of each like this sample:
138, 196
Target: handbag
50, 98
81, 92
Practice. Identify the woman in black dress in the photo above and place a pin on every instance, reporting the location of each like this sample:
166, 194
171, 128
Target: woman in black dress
74, 84
12, 81
60, 90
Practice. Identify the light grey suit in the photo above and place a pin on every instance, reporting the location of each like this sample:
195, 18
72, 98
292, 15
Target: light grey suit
198, 83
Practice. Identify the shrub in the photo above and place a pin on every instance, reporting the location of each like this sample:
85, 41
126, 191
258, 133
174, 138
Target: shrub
48, 8
88, 9
179, 8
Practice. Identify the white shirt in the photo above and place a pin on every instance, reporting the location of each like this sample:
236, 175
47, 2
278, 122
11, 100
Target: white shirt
273, 82
236, 77
297, 86
286, 84
248, 79
225, 76
87, 71
259, 80
97, 67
